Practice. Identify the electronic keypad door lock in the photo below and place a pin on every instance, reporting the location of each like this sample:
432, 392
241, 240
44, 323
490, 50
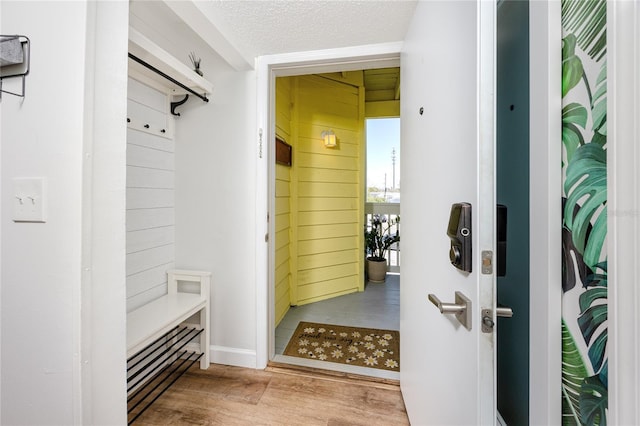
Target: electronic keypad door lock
459, 232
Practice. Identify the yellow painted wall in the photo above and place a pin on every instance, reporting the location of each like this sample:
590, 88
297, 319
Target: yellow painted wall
382, 109
320, 199
283, 204
327, 188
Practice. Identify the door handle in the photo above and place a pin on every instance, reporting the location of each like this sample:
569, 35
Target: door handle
461, 308
504, 311
487, 317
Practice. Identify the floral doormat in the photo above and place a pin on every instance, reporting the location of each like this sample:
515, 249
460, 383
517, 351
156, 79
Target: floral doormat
365, 347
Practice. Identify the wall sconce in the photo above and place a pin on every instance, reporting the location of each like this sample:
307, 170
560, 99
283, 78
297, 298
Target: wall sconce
329, 139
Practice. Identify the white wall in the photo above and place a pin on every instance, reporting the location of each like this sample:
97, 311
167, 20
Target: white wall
214, 184
215, 209
150, 194
42, 136
53, 368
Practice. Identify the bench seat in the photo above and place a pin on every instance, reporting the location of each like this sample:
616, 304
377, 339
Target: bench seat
150, 321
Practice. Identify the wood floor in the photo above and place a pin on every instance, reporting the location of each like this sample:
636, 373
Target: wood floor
224, 395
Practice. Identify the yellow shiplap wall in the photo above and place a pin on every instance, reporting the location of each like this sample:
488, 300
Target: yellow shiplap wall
283, 203
327, 203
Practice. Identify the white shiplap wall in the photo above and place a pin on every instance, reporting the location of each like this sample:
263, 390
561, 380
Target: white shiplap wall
150, 194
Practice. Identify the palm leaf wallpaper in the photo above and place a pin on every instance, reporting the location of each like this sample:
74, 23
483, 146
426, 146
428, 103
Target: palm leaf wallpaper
584, 163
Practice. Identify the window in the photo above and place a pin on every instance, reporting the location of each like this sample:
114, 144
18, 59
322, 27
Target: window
383, 160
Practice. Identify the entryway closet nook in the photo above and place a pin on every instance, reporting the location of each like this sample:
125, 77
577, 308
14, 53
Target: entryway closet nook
169, 281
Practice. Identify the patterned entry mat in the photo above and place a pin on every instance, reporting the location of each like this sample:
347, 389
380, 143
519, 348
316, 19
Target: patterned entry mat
365, 347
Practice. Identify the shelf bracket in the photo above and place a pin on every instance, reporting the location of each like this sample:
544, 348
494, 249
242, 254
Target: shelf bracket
176, 104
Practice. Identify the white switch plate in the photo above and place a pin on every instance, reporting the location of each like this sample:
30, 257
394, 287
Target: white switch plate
29, 200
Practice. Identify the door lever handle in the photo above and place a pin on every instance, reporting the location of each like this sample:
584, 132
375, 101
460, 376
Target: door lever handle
487, 317
504, 311
461, 308
446, 308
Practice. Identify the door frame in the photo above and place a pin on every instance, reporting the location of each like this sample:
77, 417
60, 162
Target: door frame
268, 68
545, 213
623, 107
545, 31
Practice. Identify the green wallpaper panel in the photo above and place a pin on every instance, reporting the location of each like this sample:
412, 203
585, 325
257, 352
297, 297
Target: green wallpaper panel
584, 166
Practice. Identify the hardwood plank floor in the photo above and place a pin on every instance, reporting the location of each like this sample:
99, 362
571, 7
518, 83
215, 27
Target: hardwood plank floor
224, 395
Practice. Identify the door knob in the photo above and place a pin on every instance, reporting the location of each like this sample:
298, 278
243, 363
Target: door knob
461, 308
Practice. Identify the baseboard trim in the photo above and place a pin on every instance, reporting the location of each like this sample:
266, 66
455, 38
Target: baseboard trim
233, 356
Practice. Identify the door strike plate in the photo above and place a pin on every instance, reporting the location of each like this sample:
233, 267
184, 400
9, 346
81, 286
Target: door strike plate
487, 262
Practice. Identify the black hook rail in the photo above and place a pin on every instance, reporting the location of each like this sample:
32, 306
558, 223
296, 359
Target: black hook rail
168, 77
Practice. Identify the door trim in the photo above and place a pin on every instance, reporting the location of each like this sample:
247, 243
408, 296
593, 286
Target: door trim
267, 69
545, 369
623, 92
487, 181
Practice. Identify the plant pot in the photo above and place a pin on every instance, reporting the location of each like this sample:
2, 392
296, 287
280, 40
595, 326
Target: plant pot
377, 270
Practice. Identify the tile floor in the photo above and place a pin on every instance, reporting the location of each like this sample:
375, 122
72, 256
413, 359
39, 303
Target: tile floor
377, 307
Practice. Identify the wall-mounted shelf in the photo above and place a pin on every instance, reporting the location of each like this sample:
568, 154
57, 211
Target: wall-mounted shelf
154, 66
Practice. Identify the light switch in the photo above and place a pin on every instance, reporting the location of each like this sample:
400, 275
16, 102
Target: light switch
29, 200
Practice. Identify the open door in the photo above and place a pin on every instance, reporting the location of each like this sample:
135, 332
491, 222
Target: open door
448, 77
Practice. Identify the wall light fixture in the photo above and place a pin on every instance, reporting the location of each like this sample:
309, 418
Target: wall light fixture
329, 139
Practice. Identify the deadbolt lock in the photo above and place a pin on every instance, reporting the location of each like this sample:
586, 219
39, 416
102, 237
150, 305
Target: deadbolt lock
487, 321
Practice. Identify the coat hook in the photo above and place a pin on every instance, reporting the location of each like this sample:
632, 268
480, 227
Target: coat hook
163, 131
128, 120
146, 126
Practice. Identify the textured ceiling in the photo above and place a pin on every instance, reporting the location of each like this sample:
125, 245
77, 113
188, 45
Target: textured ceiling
281, 26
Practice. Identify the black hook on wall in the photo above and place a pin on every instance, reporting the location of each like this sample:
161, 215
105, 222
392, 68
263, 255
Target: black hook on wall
176, 104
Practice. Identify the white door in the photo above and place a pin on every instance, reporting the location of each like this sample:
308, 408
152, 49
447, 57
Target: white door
447, 370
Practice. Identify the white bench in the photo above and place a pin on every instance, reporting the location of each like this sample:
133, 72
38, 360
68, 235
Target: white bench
151, 321
160, 339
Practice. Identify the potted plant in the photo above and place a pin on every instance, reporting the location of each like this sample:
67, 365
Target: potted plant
378, 239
